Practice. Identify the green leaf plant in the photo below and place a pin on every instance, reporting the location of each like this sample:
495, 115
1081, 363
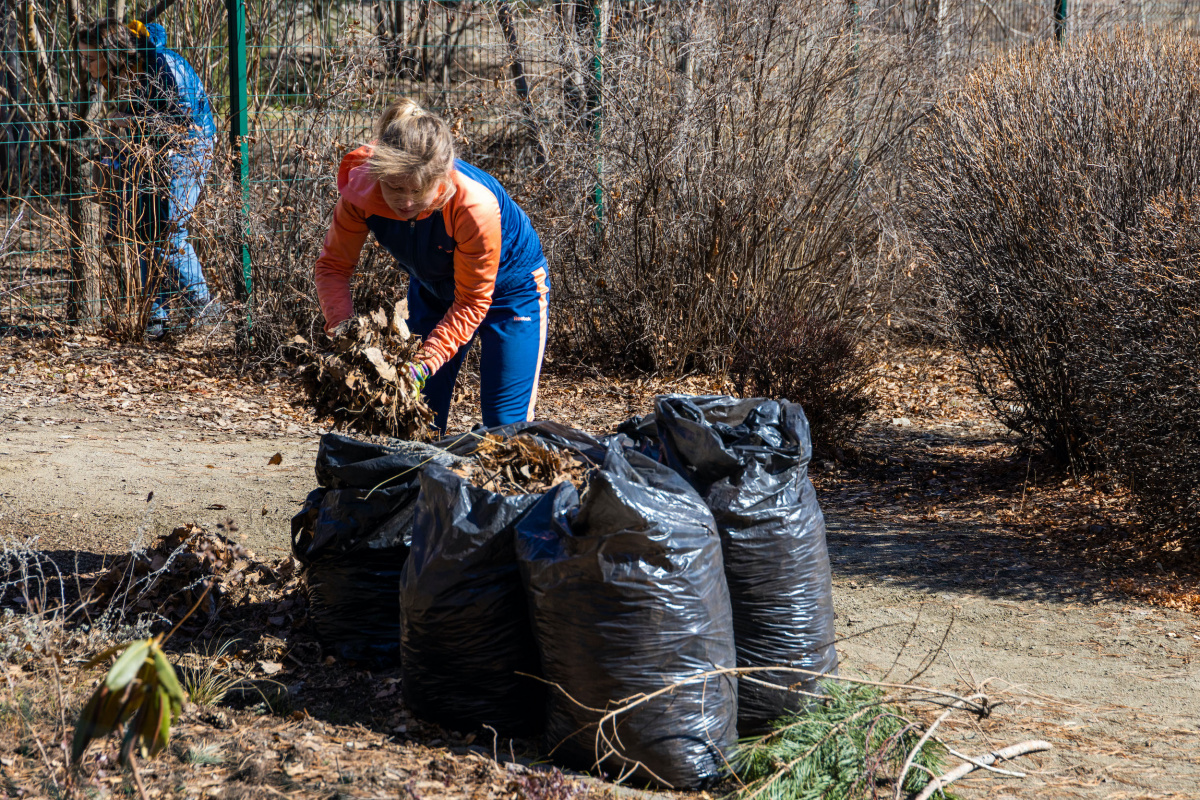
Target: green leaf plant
139, 698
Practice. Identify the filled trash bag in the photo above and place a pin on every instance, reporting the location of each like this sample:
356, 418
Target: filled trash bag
350, 537
465, 631
345, 462
749, 459
627, 592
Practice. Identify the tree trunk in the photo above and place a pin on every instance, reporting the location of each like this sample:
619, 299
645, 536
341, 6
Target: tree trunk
943, 37
83, 211
14, 122
520, 83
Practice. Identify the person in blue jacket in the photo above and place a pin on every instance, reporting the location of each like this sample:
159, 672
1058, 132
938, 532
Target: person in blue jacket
166, 128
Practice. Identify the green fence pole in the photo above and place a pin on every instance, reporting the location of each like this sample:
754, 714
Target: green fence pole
1060, 20
239, 131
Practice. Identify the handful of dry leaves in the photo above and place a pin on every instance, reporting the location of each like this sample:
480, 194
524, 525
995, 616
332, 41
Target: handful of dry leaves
521, 465
361, 382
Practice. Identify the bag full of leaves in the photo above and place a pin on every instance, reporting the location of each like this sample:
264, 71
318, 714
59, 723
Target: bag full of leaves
465, 633
466, 636
351, 540
626, 586
749, 460
361, 383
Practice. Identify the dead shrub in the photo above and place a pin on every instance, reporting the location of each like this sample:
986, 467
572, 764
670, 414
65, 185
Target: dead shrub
1056, 199
729, 165
787, 354
1025, 187
1138, 362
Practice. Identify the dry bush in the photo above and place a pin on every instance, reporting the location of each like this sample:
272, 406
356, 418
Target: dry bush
814, 363
729, 165
1056, 198
1026, 187
1138, 361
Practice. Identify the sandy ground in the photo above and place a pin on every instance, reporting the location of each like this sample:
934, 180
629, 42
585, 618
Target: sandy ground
1112, 683
96, 484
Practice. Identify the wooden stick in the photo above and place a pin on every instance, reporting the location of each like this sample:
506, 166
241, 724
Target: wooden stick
1008, 773
928, 733
1012, 751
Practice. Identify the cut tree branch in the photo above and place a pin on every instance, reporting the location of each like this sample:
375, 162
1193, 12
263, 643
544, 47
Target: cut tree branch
1005, 754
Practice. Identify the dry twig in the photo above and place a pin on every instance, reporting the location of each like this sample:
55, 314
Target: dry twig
1003, 754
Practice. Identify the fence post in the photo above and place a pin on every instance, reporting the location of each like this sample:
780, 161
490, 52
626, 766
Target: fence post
595, 100
1060, 20
83, 211
239, 131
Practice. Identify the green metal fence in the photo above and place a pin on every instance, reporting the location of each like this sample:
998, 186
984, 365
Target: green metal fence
294, 86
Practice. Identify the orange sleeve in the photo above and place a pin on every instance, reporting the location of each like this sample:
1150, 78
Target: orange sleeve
339, 257
473, 217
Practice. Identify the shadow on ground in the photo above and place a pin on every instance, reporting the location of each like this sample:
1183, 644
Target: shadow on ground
942, 510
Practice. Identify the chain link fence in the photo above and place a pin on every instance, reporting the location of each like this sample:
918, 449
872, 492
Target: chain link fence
97, 206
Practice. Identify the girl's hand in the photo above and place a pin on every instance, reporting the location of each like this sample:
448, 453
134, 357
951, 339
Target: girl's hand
419, 372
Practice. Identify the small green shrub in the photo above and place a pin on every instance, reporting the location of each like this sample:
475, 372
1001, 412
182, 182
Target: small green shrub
853, 745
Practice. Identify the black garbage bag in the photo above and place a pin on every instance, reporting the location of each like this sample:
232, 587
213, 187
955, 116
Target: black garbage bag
344, 462
628, 597
749, 459
465, 631
350, 537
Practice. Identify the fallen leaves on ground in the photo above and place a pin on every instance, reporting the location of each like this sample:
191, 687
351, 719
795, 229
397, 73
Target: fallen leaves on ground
191, 566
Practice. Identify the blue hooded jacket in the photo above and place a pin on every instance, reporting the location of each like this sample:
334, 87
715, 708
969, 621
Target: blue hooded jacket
173, 88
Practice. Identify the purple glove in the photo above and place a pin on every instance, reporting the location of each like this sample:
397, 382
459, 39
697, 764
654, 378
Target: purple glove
419, 372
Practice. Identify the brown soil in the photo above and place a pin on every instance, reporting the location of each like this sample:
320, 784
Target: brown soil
947, 540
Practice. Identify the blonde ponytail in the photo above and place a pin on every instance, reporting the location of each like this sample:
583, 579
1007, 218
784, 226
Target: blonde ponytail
413, 144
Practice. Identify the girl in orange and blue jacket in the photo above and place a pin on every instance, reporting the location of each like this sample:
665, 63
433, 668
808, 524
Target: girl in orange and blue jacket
474, 262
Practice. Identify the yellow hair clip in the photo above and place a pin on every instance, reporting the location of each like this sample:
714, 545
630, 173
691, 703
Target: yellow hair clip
138, 29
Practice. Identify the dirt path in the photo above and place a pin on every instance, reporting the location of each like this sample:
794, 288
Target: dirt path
81, 481
1113, 683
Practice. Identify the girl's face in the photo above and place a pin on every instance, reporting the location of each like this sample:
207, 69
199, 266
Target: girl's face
406, 198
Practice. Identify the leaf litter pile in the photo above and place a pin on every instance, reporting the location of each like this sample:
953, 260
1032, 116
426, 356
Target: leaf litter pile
521, 465
361, 382
192, 567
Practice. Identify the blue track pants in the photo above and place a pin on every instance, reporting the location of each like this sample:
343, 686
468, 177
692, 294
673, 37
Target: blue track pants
513, 337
